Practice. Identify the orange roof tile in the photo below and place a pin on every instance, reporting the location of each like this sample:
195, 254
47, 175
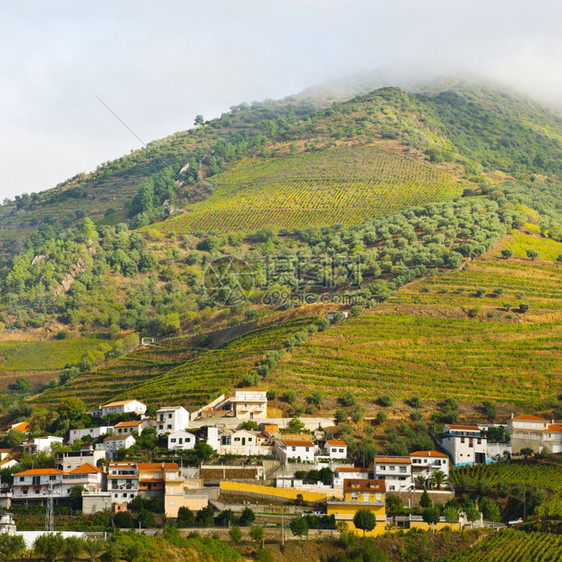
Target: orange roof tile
85, 468
468, 427
337, 443
129, 423
529, 417
118, 403
351, 469
39, 472
116, 437
428, 454
395, 460
22, 426
297, 443
555, 427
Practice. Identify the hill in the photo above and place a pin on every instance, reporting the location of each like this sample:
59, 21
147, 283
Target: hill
464, 130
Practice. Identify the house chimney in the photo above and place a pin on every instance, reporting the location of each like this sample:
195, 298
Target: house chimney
511, 415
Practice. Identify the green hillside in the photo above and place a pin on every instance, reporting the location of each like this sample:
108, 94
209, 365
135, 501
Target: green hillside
345, 184
441, 337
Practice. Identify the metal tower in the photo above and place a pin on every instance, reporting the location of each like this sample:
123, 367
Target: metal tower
50, 513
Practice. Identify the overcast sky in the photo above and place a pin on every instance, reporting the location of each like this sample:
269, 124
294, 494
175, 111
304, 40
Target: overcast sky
158, 63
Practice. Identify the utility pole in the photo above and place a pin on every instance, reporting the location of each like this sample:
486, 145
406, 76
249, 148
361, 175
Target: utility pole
50, 512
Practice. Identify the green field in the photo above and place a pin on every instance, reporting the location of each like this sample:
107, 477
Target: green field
548, 249
338, 185
508, 545
172, 375
426, 343
527, 473
50, 355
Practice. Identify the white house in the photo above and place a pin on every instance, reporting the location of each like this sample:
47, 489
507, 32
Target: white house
342, 473
113, 443
428, 462
41, 444
69, 460
122, 481
37, 483
242, 442
332, 315
400, 473
213, 439
300, 450
87, 475
335, 449
395, 471
128, 427
249, 404
535, 433
181, 441
171, 419
121, 407
8, 463
93, 432
466, 444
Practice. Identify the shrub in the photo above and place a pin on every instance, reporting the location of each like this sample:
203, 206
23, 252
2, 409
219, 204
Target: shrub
385, 400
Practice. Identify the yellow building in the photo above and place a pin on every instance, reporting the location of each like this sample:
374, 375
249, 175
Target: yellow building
360, 493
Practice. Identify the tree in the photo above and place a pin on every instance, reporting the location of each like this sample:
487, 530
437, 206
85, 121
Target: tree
451, 514
21, 386
249, 425
340, 415
203, 451
72, 548
348, 399
15, 438
438, 478
257, 535
491, 511
523, 307
71, 408
93, 547
247, 517
205, 517
11, 546
532, 253
299, 526
235, 534
431, 515
526, 451
364, 520
425, 500
199, 120
146, 518
490, 409
49, 545
416, 402
507, 253
186, 518
123, 520
296, 426
385, 400
76, 497
472, 514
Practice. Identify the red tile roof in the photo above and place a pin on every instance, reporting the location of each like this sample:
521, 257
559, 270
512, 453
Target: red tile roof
129, 423
529, 417
86, 468
337, 443
555, 427
351, 469
39, 472
395, 460
22, 426
428, 454
297, 443
468, 427
119, 403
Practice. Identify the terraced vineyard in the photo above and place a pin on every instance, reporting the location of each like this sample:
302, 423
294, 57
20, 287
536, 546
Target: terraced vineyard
528, 473
509, 545
426, 343
339, 185
174, 373
38, 360
119, 375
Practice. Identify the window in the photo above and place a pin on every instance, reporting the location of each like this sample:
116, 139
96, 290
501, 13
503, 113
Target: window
22, 478
173, 440
391, 467
383, 467
402, 469
180, 440
462, 439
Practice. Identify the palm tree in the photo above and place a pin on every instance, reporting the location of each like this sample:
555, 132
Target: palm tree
438, 478
420, 480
